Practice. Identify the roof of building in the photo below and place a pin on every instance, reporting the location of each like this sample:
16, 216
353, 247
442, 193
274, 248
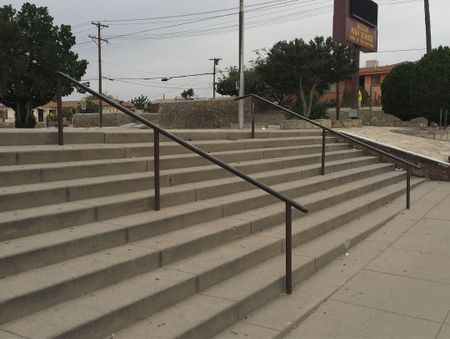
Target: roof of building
379, 69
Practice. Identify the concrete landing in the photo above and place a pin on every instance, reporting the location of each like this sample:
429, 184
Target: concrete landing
402, 290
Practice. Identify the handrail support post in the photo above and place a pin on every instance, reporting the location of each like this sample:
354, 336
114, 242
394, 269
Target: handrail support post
252, 114
322, 171
408, 187
156, 169
59, 109
288, 246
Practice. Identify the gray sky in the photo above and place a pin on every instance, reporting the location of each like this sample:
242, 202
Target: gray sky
155, 53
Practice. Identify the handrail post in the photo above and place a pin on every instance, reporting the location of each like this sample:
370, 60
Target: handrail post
156, 169
59, 109
252, 114
322, 171
288, 246
408, 186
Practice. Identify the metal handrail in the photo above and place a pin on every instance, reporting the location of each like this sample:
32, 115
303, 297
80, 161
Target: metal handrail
158, 130
341, 135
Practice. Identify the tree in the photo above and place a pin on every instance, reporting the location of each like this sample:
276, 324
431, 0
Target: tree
430, 84
396, 89
343, 65
35, 50
304, 70
140, 101
188, 94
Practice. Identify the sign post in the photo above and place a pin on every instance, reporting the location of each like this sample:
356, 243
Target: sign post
355, 22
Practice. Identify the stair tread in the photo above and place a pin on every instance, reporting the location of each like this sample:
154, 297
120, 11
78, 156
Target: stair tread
56, 274
91, 204
55, 319
181, 318
130, 159
44, 240
104, 179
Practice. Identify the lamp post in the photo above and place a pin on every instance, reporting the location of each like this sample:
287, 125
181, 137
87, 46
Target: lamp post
241, 63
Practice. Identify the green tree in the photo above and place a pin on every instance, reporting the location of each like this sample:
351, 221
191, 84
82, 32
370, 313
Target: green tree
430, 85
396, 89
305, 69
188, 94
228, 83
140, 101
35, 49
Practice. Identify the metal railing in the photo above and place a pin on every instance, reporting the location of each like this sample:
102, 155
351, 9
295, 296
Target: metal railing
289, 203
406, 163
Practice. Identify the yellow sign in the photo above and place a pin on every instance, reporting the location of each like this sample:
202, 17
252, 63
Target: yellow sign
361, 34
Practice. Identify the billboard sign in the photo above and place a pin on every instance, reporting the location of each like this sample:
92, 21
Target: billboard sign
356, 22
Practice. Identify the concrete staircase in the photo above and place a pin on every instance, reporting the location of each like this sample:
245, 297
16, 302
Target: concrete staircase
83, 254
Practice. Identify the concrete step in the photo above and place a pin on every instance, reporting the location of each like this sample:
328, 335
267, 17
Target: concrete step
42, 154
50, 247
284, 313
41, 194
15, 224
38, 173
14, 137
213, 309
110, 309
123, 262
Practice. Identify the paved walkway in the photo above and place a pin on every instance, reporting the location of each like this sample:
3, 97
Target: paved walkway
403, 291
435, 149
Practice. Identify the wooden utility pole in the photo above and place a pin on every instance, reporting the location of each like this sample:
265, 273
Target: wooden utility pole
99, 41
216, 62
427, 24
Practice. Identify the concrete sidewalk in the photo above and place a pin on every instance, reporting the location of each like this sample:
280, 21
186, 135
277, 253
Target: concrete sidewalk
403, 291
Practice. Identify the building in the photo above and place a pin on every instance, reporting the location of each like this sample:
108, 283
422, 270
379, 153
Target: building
75, 106
370, 79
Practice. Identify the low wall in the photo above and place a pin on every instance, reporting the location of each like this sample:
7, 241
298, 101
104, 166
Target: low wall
109, 119
378, 118
219, 113
430, 168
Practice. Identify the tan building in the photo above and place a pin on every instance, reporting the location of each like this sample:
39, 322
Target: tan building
41, 113
370, 79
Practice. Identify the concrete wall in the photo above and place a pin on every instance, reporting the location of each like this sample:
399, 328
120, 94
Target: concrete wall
378, 118
219, 113
109, 119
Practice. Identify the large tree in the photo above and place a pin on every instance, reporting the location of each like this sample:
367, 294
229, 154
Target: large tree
430, 87
32, 50
305, 69
396, 89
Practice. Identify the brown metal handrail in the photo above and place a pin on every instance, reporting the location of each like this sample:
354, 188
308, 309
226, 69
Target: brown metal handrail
342, 135
289, 203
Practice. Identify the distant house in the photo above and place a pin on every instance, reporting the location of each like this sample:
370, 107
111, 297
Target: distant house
42, 112
370, 79
6, 114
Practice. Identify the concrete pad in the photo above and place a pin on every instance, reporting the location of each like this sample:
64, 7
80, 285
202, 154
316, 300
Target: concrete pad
412, 264
9, 335
174, 321
415, 298
443, 334
427, 243
247, 331
441, 211
432, 226
327, 322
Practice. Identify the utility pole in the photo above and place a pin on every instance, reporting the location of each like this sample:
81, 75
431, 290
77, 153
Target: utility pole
241, 63
99, 40
216, 62
427, 24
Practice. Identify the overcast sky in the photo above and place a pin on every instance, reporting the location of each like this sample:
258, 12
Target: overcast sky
182, 45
